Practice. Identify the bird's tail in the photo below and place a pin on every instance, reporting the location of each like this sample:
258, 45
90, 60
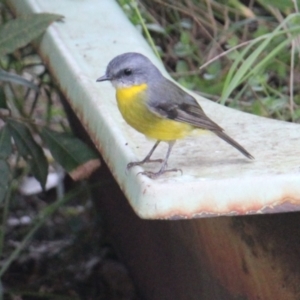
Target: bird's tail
233, 143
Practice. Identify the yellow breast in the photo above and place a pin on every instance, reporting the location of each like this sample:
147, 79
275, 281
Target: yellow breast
132, 103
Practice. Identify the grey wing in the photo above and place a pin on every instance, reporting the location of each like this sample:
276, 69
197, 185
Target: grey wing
169, 101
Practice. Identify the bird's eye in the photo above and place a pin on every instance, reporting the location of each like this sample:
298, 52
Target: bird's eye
127, 72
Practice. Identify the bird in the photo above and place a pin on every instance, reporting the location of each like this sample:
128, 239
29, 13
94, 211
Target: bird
157, 107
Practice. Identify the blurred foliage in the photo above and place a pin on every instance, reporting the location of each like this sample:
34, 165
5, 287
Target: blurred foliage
260, 71
17, 33
33, 131
21, 122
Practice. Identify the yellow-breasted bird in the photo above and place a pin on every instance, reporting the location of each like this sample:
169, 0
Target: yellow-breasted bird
156, 107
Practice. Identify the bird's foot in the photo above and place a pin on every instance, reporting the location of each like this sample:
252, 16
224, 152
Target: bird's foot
154, 175
139, 163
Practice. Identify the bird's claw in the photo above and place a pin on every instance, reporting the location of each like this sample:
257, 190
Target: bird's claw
154, 175
139, 163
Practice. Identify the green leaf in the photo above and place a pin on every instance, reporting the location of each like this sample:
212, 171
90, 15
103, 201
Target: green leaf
29, 150
15, 78
4, 178
67, 150
185, 38
244, 64
21, 31
181, 66
182, 50
5, 143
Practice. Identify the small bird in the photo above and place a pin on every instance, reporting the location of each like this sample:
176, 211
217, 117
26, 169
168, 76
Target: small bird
156, 107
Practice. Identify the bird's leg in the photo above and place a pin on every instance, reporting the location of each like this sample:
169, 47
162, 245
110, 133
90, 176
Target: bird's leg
146, 159
164, 165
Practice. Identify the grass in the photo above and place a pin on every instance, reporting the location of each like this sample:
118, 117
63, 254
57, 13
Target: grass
243, 56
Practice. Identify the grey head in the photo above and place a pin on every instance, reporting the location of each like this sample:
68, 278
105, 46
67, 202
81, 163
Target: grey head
130, 69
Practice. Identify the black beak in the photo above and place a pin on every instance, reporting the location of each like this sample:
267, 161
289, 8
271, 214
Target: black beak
103, 78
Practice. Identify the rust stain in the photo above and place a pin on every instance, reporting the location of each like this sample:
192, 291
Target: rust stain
286, 203
85, 170
256, 257
78, 113
206, 212
278, 238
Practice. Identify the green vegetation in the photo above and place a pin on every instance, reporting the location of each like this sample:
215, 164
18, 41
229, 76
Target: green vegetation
244, 56
33, 132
